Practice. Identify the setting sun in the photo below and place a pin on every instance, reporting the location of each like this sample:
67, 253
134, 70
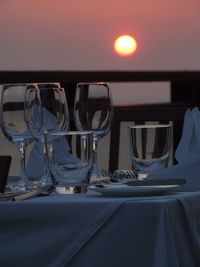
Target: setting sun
125, 45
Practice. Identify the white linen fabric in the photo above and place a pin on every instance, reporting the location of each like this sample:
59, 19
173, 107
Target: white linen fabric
187, 153
189, 146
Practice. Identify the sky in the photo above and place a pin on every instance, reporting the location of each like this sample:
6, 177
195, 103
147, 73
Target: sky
80, 34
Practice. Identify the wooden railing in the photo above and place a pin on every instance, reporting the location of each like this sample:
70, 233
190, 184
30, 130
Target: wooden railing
111, 76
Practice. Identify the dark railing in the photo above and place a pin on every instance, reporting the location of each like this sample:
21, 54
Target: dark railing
184, 90
111, 76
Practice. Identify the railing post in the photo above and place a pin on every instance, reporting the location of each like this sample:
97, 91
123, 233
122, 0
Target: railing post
114, 146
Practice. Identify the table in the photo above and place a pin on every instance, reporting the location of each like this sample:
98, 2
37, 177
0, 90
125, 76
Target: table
92, 230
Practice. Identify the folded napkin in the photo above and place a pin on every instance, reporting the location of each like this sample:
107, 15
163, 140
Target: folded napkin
35, 163
190, 171
62, 156
189, 146
187, 153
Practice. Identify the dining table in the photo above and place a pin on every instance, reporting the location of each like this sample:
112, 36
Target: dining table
93, 229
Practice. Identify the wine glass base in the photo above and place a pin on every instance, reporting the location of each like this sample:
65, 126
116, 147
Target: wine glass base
15, 188
40, 182
96, 175
142, 176
17, 184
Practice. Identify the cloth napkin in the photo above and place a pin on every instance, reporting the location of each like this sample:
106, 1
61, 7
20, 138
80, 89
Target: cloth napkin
62, 163
187, 153
35, 163
189, 146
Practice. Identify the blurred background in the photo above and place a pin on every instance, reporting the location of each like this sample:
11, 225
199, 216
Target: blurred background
80, 35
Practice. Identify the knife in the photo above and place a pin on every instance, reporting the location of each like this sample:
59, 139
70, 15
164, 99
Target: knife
171, 181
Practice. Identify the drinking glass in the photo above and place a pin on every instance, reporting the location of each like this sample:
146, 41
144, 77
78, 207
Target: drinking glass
46, 112
13, 124
93, 111
70, 157
150, 147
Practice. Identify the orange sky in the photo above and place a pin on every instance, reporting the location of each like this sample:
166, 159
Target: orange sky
60, 34
79, 35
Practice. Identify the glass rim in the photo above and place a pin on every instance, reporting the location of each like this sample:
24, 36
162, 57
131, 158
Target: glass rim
63, 133
27, 83
17, 84
92, 83
143, 126
47, 82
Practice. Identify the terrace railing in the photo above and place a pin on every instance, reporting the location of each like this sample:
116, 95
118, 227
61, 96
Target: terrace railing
184, 93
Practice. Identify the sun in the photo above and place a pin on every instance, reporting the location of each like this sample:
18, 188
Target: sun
125, 45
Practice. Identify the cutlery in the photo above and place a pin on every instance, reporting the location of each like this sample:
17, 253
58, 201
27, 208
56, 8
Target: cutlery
118, 174
177, 181
43, 191
16, 196
155, 182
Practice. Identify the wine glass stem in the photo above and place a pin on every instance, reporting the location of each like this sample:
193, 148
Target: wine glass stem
46, 171
46, 174
95, 169
47, 177
22, 150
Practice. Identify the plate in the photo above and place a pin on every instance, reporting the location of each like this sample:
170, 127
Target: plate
132, 191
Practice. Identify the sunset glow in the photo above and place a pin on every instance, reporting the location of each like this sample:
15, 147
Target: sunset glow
125, 45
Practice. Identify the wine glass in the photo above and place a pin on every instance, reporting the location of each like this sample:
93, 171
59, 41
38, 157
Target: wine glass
46, 112
13, 124
93, 110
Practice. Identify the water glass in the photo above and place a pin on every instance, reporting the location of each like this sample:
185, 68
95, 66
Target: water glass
70, 157
149, 147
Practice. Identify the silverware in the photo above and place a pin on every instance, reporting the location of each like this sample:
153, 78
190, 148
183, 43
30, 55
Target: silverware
118, 174
170, 181
9, 195
155, 182
43, 191
108, 177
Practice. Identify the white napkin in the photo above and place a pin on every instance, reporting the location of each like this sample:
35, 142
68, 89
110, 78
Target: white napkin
189, 146
35, 164
187, 153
